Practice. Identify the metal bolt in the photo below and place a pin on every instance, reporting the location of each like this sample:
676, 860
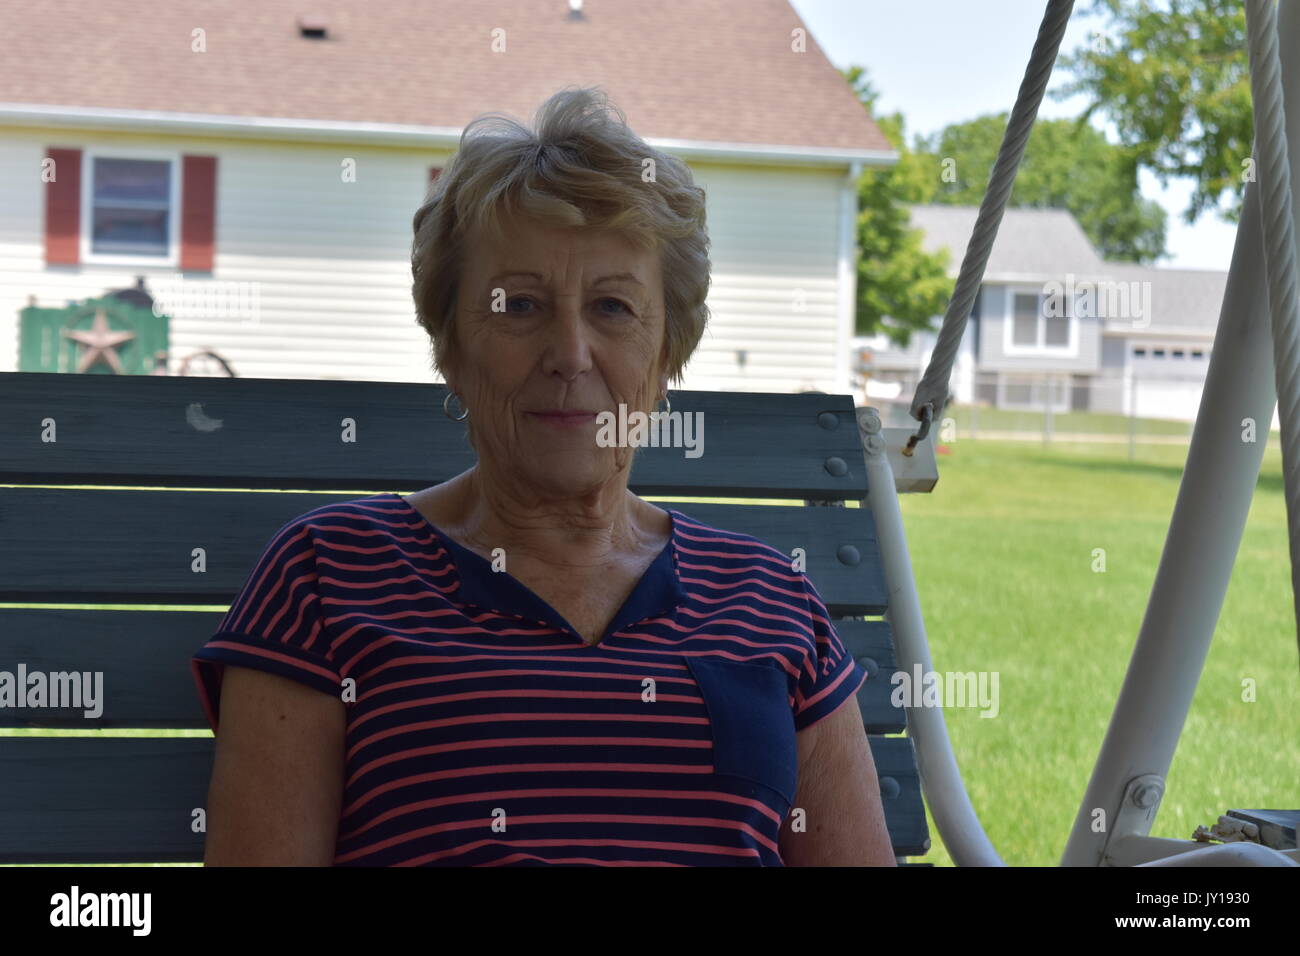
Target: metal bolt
1147, 795
868, 420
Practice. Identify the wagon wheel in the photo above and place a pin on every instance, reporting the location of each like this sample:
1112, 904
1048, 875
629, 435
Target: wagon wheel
206, 362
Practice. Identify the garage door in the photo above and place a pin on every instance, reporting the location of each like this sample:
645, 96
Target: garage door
1167, 398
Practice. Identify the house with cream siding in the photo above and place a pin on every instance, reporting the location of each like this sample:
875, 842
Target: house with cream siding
259, 168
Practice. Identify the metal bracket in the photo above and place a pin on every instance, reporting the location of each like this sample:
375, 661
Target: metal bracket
915, 472
1136, 813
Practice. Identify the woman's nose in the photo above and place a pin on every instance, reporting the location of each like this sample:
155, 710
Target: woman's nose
568, 349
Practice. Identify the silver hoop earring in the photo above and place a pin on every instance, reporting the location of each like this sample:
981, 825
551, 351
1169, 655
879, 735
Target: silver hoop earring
446, 411
669, 403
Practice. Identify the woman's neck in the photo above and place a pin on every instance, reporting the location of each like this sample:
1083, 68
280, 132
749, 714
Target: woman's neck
574, 533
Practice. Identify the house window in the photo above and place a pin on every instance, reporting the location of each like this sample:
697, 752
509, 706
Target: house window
1024, 332
1139, 353
1178, 353
1157, 353
1041, 323
131, 206
1197, 354
1056, 321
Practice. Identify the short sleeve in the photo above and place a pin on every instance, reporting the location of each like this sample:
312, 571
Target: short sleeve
829, 674
274, 623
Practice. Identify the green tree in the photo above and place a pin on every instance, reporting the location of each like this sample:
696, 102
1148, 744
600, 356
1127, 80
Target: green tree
897, 278
1067, 164
1174, 80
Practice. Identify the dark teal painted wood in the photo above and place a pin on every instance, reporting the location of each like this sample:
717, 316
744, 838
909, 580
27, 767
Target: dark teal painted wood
130, 800
273, 433
145, 659
872, 643
113, 800
143, 655
135, 547
119, 800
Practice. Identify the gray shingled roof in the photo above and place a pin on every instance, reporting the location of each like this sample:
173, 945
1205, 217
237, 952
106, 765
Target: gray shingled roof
1181, 299
1032, 244
1039, 245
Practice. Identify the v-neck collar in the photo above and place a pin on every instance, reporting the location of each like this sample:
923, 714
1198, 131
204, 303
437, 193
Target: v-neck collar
658, 592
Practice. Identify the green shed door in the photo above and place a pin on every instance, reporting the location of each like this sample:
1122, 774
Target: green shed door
99, 337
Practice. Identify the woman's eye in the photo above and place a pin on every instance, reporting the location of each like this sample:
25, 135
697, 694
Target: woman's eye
515, 303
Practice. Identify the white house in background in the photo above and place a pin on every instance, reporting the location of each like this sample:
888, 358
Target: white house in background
260, 168
1054, 322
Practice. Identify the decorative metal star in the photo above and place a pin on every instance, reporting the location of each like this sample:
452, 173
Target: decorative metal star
100, 342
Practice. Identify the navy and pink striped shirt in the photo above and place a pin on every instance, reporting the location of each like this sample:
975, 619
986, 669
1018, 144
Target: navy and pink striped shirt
482, 729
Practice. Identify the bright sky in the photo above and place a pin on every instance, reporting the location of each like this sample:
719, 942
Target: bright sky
946, 61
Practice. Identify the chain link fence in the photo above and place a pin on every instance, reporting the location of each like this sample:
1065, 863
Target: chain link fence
1112, 410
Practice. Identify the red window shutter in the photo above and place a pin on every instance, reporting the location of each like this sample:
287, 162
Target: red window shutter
433, 172
198, 212
63, 208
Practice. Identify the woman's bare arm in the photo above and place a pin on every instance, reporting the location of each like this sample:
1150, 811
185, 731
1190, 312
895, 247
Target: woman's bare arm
840, 795
277, 778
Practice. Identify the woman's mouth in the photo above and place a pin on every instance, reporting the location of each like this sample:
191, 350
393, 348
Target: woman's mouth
564, 419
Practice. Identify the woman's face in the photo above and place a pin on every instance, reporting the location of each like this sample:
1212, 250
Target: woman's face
555, 319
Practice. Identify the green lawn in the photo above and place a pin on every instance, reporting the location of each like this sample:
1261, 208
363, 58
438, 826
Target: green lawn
967, 418
1002, 552
970, 421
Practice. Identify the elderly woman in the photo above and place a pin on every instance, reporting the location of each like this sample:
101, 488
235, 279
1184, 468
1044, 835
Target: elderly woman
529, 664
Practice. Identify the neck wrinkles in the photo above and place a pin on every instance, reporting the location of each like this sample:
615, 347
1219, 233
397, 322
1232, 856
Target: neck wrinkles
557, 534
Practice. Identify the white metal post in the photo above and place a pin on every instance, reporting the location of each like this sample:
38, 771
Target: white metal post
941, 782
1201, 546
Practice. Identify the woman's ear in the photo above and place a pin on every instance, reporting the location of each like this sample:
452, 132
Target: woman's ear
448, 370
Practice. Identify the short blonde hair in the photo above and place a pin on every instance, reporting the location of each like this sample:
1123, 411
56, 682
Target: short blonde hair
582, 166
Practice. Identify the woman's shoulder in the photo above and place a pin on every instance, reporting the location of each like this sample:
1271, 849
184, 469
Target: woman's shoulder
373, 507
343, 522
733, 545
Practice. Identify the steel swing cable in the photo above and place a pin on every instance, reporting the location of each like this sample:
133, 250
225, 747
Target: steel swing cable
941, 780
932, 390
1273, 170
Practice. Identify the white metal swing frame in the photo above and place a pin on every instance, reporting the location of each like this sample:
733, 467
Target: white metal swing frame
1209, 517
